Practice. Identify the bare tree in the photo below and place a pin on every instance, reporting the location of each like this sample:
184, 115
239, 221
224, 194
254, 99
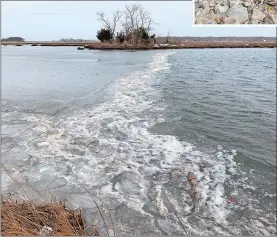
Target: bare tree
167, 37
135, 22
116, 18
135, 18
110, 25
105, 21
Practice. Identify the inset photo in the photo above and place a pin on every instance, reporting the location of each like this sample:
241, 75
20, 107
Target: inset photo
230, 12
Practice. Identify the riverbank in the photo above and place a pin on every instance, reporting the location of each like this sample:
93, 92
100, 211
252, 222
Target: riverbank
182, 45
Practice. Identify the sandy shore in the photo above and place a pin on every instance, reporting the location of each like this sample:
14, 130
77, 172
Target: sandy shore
182, 45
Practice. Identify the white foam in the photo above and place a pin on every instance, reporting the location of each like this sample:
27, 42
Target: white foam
269, 194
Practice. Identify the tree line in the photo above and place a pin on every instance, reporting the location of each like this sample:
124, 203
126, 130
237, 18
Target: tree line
14, 39
134, 25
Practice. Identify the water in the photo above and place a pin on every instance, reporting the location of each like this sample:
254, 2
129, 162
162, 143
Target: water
130, 126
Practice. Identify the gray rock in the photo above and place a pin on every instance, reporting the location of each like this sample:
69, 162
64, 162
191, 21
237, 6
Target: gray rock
198, 14
208, 19
212, 4
273, 18
246, 4
233, 3
258, 15
221, 9
204, 4
239, 13
238, 2
205, 11
230, 20
268, 20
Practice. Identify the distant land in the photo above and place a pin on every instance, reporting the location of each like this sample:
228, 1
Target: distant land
179, 38
161, 43
232, 38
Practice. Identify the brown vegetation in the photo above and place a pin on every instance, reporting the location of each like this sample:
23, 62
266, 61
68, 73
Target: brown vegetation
184, 45
179, 45
24, 218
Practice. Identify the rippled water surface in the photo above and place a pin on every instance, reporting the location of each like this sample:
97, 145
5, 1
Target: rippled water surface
172, 142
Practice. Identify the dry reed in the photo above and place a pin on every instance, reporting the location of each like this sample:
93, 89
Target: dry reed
24, 218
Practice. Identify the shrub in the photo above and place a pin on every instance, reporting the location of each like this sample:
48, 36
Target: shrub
104, 35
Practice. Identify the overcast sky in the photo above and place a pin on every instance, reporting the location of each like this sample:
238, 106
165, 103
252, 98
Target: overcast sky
53, 20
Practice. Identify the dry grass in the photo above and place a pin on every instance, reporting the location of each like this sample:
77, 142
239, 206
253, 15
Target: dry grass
24, 218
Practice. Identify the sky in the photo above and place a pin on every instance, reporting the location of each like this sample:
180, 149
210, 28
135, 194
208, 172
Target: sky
53, 20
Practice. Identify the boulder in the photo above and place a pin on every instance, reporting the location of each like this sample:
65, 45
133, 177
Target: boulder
231, 20
239, 13
208, 19
246, 4
233, 3
258, 15
221, 9
268, 20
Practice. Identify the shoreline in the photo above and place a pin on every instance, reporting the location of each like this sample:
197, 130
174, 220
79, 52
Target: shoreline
183, 45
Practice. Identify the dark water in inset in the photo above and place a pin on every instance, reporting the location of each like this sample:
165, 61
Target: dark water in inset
131, 126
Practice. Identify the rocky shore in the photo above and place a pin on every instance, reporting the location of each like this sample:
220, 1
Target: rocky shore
235, 11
